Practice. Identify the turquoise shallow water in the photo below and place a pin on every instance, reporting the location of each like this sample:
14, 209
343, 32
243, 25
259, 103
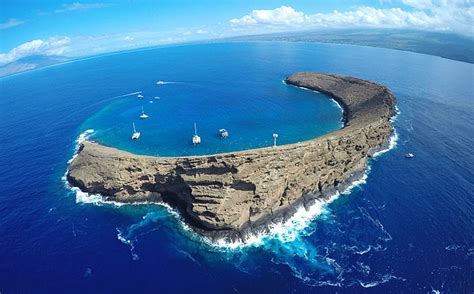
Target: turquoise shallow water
408, 229
250, 102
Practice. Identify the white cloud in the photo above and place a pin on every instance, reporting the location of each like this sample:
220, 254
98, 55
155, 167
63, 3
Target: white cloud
372, 17
52, 46
456, 16
195, 32
284, 15
12, 22
80, 6
418, 4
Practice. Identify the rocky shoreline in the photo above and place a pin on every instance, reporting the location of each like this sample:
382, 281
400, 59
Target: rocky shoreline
227, 196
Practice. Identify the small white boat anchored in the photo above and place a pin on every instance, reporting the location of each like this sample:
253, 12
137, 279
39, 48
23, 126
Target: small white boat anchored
135, 134
223, 133
143, 115
409, 155
196, 138
140, 96
160, 82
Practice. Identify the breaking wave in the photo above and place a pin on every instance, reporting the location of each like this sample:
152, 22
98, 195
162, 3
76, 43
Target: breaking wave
393, 141
291, 229
286, 231
287, 241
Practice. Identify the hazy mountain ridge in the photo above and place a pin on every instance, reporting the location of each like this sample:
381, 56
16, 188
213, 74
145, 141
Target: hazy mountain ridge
29, 63
447, 45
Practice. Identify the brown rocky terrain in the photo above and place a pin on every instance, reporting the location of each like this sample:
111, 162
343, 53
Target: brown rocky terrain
226, 195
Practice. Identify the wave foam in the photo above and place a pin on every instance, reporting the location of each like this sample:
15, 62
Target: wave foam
286, 231
393, 141
291, 229
383, 279
297, 224
82, 137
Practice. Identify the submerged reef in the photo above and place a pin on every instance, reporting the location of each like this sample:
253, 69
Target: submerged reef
232, 194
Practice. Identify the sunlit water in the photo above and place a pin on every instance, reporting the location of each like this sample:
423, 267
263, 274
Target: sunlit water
251, 109
408, 228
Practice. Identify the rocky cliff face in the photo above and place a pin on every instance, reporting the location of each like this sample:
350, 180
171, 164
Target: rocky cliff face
225, 195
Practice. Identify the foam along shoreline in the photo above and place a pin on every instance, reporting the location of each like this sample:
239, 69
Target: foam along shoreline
228, 197
285, 231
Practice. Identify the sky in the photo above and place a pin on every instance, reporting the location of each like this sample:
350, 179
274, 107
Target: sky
84, 28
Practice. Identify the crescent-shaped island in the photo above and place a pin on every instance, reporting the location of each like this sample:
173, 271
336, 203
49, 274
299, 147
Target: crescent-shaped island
229, 195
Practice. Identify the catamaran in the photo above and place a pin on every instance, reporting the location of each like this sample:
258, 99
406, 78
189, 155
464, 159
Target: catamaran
140, 96
135, 134
143, 115
223, 133
196, 138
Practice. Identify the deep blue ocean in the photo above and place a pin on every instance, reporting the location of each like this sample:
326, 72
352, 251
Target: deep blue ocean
408, 228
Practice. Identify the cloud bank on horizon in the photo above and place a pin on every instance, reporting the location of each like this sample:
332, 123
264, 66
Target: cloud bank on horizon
455, 16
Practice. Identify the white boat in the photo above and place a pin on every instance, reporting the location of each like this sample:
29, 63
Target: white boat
160, 82
135, 134
223, 133
196, 138
409, 155
143, 115
140, 96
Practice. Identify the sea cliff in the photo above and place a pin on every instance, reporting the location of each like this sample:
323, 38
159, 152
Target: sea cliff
228, 195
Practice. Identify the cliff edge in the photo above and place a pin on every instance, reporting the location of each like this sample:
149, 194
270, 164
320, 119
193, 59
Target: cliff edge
227, 195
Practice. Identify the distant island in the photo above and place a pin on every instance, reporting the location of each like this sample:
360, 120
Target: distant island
229, 195
30, 63
443, 44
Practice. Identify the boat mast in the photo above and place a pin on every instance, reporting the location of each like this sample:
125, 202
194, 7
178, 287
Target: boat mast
134, 130
275, 136
195, 130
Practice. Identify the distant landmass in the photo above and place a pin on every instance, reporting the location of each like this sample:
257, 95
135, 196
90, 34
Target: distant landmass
29, 63
447, 45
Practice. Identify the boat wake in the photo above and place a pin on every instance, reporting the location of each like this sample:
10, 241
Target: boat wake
129, 94
165, 82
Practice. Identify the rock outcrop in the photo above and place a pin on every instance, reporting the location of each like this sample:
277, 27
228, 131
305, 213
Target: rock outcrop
225, 195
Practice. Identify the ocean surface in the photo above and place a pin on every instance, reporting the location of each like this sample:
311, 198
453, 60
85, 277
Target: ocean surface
407, 227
